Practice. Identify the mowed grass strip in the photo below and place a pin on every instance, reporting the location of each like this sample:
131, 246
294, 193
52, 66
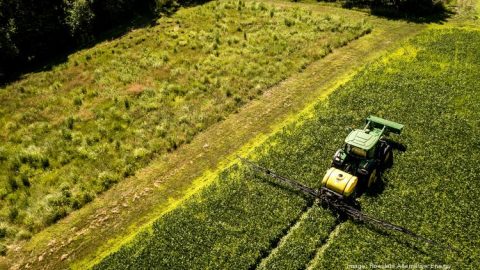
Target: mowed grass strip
430, 85
73, 132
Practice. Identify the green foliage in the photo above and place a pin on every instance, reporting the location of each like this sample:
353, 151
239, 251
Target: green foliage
3, 249
110, 109
3, 232
107, 179
431, 85
29, 30
34, 31
79, 18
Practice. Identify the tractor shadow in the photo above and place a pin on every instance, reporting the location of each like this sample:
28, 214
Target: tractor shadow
378, 187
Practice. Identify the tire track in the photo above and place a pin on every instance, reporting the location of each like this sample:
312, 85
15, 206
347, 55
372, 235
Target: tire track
282, 237
270, 259
322, 248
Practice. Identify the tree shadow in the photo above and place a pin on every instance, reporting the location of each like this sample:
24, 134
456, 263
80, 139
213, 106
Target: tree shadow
422, 14
439, 17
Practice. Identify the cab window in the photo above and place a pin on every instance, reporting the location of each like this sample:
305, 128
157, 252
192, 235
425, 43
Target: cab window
356, 151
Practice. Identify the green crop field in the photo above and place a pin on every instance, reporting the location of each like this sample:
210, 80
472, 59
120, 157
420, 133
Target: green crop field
244, 220
74, 131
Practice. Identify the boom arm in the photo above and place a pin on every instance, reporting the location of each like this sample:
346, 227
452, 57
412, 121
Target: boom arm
360, 216
336, 204
386, 125
307, 190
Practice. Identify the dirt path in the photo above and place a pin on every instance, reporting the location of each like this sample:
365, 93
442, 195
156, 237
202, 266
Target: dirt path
116, 216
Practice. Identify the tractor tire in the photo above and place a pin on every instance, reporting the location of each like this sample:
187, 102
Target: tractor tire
371, 178
387, 158
367, 178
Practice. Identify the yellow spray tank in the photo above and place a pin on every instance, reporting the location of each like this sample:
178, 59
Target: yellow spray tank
340, 182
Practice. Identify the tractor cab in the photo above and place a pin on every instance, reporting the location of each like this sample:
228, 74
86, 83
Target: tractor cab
362, 142
366, 152
368, 143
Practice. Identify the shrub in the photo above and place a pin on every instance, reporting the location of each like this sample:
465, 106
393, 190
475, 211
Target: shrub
107, 179
24, 235
25, 181
3, 154
77, 101
12, 183
3, 232
13, 213
70, 123
54, 215
140, 153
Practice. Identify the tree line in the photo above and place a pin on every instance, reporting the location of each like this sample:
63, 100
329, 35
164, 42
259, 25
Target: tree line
32, 31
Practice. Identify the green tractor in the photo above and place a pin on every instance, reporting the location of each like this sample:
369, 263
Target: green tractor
366, 153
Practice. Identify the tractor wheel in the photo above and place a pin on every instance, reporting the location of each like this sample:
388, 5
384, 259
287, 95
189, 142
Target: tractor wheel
387, 160
372, 178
